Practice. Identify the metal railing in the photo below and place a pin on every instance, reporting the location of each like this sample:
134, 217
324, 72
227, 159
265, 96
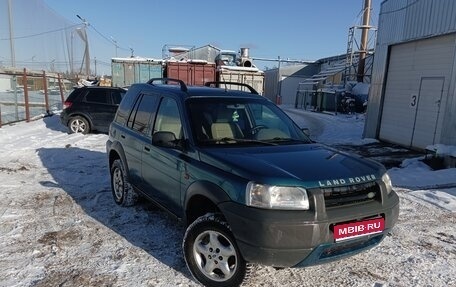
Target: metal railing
25, 95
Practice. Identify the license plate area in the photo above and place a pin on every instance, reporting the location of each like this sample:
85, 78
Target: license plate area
355, 229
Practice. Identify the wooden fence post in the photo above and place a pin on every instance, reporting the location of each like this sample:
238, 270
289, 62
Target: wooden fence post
46, 98
26, 96
59, 79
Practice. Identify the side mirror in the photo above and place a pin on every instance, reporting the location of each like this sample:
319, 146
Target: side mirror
165, 139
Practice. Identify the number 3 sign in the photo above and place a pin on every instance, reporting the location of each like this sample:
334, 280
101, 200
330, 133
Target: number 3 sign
413, 100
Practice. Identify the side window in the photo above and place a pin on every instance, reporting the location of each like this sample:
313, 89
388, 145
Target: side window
125, 107
116, 97
145, 111
97, 96
168, 118
263, 116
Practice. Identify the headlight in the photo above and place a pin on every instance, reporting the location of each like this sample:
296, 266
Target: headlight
276, 197
387, 181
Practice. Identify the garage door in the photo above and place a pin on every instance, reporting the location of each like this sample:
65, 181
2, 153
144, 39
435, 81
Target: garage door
416, 89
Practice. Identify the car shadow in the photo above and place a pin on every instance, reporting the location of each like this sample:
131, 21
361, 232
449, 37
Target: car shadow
84, 175
52, 122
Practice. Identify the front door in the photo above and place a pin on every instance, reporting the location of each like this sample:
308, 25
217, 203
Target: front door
162, 167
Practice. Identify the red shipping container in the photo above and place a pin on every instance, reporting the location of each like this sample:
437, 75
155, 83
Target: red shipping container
192, 73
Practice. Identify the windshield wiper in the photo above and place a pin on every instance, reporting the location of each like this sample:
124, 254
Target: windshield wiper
234, 140
278, 139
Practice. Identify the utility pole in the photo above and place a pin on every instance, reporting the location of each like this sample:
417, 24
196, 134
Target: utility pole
364, 35
10, 18
83, 35
13, 59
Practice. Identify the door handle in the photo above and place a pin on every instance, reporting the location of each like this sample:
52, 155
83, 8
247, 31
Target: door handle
122, 136
146, 148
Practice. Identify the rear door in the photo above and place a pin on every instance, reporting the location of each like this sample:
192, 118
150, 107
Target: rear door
99, 108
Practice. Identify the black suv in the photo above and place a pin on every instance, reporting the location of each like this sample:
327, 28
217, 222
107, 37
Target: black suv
91, 108
246, 181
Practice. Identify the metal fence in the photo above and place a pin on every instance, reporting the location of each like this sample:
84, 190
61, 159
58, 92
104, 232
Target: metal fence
25, 95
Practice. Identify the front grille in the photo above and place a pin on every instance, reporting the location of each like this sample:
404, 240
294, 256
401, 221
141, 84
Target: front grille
350, 248
344, 195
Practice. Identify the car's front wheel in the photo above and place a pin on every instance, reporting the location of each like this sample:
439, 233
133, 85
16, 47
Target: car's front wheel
211, 253
79, 125
122, 191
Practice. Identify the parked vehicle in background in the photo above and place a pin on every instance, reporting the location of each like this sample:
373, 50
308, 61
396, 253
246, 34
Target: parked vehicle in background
91, 108
247, 182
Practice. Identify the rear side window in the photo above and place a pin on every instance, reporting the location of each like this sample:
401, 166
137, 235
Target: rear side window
125, 107
117, 97
144, 112
97, 96
75, 94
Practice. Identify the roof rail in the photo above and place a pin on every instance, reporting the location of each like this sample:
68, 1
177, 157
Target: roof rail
183, 86
252, 90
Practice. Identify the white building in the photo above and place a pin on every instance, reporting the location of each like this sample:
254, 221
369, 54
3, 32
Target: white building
412, 97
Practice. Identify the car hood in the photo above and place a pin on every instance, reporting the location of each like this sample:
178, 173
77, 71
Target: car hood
311, 165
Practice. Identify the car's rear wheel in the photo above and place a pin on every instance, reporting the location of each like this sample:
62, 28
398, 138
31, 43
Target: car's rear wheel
122, 191
211, 253
78, 124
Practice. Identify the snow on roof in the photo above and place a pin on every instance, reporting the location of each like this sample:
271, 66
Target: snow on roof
238, 68
190, 61
135, 59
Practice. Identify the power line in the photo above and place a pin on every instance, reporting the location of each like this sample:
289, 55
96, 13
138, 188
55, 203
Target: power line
39, 34
111, 41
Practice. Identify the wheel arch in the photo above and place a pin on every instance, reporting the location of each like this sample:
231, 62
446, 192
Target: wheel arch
203, 197
116, 151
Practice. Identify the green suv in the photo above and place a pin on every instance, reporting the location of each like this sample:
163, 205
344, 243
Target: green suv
247, 182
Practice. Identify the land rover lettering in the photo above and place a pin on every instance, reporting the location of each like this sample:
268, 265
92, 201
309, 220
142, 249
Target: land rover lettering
350, 180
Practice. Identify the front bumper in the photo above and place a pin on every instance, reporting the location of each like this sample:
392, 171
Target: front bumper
302, 238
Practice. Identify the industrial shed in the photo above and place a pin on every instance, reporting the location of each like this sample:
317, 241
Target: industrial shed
284, 81
412, 95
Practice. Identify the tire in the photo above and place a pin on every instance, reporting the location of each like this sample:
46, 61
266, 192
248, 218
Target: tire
211, 253
78, 124
122, 191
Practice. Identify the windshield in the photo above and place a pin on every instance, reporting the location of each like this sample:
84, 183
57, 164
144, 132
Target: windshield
225, 121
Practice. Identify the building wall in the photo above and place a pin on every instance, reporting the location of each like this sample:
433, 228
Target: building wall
290, 77
402, 21
271, 84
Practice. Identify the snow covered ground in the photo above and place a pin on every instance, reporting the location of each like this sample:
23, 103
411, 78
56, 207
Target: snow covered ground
60, 227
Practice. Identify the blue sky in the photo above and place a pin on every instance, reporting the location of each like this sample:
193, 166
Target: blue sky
290, 29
